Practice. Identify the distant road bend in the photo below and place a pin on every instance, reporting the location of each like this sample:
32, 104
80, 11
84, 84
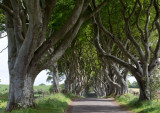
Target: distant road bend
95, 105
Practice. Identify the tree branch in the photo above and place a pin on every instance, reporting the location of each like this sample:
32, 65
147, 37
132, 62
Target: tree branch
116, 40
6, 9
153, 61
109, 79
137, 22
156, 17
3, 36
3, 49
55, 37
113, 58
124, 9
128, 31
147, 21
96, 10
59, 51
133, 11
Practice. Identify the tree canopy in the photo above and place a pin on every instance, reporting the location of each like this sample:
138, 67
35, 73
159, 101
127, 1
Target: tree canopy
94, 43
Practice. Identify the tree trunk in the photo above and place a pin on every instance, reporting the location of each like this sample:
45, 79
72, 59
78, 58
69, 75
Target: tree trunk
144, 90
123, 85
21, 92
55, 79
68, 86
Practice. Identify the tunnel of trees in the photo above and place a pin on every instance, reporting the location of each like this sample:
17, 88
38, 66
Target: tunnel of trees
95, 43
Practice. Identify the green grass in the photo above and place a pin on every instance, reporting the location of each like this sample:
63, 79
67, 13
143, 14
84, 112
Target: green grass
56, 103
131, 102
3, 96
5, 88
45, 88
71, 95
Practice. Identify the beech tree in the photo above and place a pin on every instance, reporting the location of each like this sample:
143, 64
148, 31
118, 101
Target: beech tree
54, 78
115, 74
77, 72
83, 56
141, 26
27, 28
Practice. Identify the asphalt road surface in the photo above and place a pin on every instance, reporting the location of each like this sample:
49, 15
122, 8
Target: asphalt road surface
95, 105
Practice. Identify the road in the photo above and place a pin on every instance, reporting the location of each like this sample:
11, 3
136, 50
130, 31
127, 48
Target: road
95, 105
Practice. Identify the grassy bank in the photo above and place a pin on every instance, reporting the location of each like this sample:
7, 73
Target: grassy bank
131, 102
56, 103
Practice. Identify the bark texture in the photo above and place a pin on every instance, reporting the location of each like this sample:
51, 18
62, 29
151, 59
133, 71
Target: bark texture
55, 79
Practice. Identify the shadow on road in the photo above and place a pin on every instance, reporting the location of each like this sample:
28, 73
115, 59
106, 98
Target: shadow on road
96, 105
92, 95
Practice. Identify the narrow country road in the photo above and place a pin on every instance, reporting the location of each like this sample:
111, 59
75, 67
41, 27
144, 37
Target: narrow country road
95, 105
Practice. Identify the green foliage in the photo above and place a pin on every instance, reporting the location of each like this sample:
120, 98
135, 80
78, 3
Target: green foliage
51, 88
127, 98
130, 101
3, 96
61, 76
44, 88
52, 104
3, 100
61, 86
71, 95
113, 21
61, 13
2, 21
128, 83
154, 83
42, 84
4, 88
134, 85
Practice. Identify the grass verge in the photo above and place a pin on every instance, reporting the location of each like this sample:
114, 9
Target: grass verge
131, 102
56, 103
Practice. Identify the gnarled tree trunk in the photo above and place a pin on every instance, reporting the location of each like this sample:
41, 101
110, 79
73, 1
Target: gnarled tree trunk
55, 78
21, 92
144, 89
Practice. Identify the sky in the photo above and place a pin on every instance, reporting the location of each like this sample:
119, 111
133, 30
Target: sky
4, 74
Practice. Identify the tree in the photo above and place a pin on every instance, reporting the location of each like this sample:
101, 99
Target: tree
78, 62
30, 42
54, 78
128, 82
154, 83
144, 57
